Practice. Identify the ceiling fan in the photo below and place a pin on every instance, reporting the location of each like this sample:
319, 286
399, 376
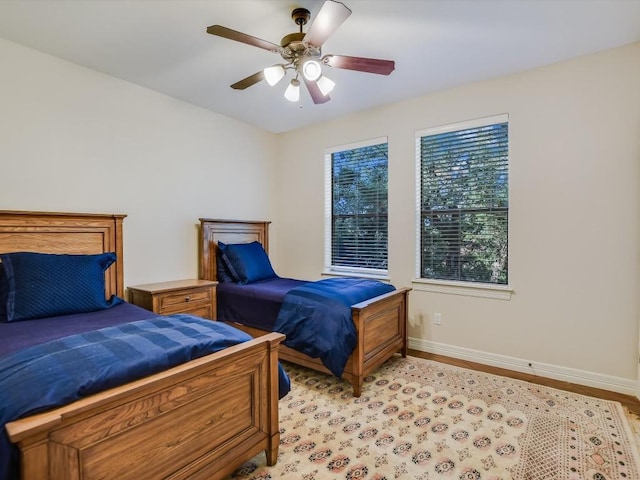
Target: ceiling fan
302, 54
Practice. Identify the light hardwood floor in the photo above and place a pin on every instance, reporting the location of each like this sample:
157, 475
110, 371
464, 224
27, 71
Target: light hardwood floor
628, 401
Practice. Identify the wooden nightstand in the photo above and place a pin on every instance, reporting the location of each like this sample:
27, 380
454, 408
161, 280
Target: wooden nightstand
196, 297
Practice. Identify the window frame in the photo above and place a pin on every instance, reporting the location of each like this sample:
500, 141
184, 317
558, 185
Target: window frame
457, 287
337, 270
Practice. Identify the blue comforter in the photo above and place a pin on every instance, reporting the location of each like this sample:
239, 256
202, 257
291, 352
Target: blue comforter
316, 318
61, 371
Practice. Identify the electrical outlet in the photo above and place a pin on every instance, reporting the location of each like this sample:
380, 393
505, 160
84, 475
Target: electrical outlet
437, 318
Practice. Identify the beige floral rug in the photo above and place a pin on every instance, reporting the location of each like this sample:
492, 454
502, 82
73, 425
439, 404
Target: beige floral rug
419, 419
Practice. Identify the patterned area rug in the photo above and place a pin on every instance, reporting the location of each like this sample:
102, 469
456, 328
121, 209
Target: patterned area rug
419, 419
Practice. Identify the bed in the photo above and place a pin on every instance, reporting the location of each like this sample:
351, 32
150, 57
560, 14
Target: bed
380, 322
198, 420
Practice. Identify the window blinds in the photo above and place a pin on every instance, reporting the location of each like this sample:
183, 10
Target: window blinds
464, 204
359, 223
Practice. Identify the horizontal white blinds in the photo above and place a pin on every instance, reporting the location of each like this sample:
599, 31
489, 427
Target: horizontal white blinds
359, 223
464, 204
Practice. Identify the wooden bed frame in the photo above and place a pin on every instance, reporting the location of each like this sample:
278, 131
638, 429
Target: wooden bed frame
380, 322
199, 420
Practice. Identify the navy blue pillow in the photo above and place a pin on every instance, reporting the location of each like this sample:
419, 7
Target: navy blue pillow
4, 292
250, 262
222, 272
45, 285
224, 268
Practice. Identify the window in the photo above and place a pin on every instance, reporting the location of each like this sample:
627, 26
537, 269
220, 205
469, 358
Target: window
463, 201
356, 178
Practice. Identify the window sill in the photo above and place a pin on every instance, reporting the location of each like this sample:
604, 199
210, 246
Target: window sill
482, 290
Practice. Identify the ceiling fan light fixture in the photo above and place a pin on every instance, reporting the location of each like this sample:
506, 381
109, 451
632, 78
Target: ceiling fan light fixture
302, 54
311, 70
292, 93
273, 74
325, 85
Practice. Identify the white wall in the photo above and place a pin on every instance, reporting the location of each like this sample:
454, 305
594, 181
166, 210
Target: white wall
574, 217
73, 139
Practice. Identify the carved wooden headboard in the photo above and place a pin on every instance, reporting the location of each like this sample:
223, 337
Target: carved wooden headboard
227, 231
71, 233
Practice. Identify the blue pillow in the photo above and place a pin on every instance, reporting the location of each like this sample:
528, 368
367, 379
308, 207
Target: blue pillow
250, 262
224, 268
222, 272
4, 292
46, 285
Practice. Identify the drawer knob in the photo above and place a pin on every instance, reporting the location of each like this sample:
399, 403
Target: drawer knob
187, 298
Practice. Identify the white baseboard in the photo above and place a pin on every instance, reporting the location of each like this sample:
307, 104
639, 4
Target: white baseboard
581, 377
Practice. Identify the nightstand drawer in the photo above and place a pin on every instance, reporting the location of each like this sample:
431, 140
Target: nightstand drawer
184, 298
195, 297
199, 310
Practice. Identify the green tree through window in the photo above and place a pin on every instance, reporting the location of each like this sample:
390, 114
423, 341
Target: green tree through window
359, 223
464, 203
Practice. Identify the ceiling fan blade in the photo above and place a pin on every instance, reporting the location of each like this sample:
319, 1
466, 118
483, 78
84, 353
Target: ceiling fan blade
314, 91
250, 80
225, 32
369, 65
329, 18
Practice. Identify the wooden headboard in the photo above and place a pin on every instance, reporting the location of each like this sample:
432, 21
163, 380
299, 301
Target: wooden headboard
227, 231
71, 233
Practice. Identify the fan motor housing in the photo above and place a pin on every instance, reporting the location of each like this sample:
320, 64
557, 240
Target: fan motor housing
293, 41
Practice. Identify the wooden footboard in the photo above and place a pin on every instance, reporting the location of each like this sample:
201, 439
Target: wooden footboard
200, 420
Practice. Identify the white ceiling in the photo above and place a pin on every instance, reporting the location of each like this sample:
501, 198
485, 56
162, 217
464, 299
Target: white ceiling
436, 44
